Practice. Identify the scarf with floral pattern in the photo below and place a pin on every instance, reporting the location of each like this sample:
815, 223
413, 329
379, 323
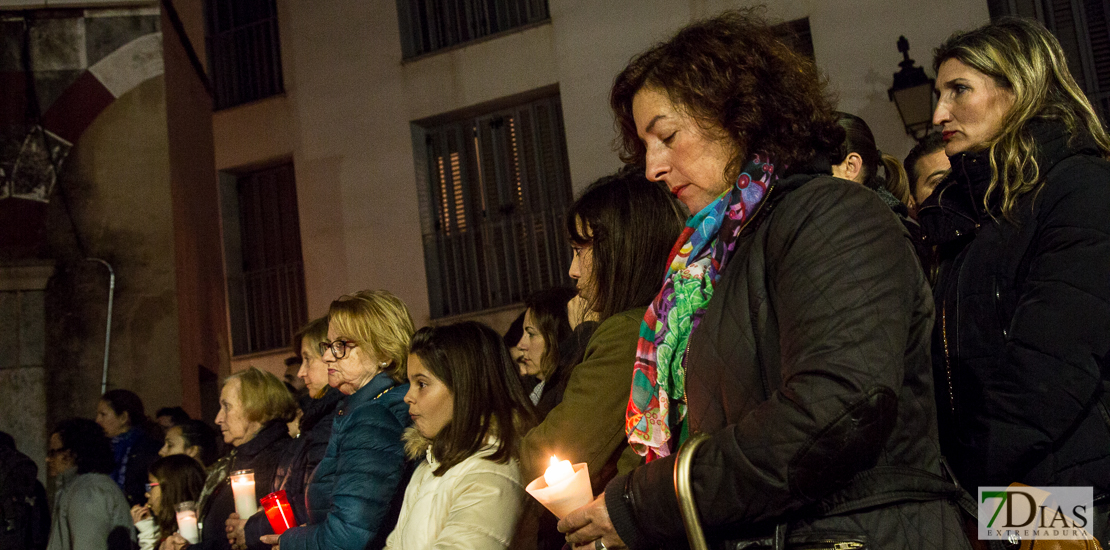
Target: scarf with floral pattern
657, 403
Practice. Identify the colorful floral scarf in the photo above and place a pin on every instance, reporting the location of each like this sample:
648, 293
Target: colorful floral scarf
658, 400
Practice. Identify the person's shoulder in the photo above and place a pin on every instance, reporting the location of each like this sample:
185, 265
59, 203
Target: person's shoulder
1085, 174
479, 465
384, 411
94, 486
621, 321
824, 188
825, 198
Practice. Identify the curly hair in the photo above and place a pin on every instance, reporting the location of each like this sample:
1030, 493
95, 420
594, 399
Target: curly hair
1023, 57
732, 74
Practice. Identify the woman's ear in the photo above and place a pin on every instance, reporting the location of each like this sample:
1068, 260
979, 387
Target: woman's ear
125, 417
853, 164
193, 451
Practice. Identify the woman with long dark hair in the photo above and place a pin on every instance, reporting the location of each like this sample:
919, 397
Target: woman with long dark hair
172, 480
621, 229
469, 413
545, 327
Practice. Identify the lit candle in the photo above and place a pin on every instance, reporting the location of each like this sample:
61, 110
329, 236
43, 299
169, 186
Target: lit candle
278, 511
242, 486
558, 472
187, 522
563, 488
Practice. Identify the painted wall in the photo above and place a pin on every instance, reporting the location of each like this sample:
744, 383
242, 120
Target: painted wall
197, 243
137, 189
118, 184
350, 98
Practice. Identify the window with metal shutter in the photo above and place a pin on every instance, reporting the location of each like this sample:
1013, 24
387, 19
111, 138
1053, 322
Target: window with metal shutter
266, 288
1083, 29
497, 187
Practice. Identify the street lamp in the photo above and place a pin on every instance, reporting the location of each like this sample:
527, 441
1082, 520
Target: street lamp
912, 93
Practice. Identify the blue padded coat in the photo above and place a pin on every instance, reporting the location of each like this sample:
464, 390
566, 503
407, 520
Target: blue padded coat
355, 495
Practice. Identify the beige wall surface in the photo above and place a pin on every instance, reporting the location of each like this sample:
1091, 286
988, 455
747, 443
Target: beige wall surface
350, 99
119, 174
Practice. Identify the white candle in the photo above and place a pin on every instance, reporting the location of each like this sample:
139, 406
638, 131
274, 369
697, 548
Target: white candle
242, 486
558, 472
563, 488
187, 526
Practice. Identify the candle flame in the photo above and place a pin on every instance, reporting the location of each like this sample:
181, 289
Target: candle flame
554, 460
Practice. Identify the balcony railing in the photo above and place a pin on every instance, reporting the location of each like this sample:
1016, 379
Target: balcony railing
498, 263
430, 25
246, 63
274, 307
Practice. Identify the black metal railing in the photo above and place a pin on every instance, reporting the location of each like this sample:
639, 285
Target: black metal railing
273, 306
430, 25
499, 263
246, 63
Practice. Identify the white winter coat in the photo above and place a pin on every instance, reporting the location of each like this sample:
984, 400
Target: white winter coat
474, 505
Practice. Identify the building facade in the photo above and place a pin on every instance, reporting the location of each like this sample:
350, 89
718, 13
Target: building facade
242, 163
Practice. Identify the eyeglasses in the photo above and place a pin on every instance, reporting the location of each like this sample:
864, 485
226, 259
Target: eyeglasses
150, 486
338, 347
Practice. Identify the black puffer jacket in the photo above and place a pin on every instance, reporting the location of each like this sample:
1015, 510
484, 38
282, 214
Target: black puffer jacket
1022, 344
299, 462
261, 454
811, 372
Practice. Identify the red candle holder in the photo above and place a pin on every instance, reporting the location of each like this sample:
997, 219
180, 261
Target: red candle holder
278, 511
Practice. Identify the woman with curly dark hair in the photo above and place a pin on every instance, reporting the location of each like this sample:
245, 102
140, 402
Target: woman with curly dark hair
792, 330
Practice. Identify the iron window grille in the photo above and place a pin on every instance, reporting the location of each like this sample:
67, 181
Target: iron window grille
266, 288
431, 25
244, 51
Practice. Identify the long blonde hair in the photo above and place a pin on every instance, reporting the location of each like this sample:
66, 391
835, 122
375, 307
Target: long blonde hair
1022, 56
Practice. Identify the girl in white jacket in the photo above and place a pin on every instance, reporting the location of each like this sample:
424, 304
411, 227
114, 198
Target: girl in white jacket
171, 480
469, 413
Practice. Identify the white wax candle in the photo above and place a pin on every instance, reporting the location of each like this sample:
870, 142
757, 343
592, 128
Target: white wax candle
558, 472
187, 526
245, 503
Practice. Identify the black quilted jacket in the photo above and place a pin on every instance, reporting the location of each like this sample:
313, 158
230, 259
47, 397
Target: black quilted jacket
811, 372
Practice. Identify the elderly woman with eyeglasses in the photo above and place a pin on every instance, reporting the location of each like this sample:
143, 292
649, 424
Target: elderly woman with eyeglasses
355, 495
